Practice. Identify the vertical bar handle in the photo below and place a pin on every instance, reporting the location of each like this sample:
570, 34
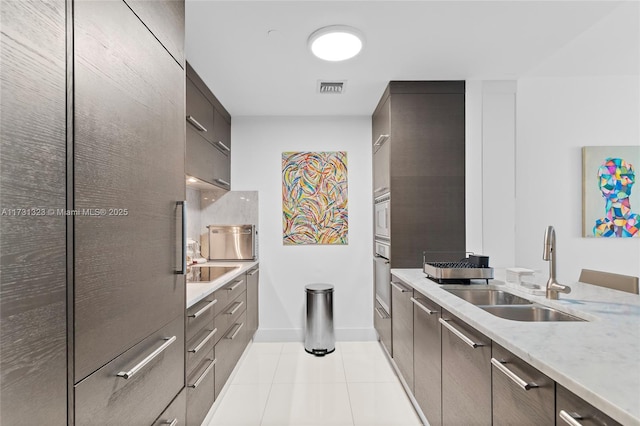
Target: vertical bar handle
183, 260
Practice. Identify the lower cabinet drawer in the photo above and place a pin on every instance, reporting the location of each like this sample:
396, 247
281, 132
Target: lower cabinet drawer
382, 324
570, 407
198, 347
229, 292
200, 390
229, 349
200, 315
137, 386
230, 314
176, 412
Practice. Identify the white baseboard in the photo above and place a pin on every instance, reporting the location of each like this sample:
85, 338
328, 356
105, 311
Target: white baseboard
297, 334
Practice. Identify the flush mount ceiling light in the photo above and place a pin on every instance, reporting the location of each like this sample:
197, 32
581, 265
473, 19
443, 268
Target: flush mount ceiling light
336, 43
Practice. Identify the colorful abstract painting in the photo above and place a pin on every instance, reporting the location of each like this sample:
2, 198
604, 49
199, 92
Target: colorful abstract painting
610, 207
314, 198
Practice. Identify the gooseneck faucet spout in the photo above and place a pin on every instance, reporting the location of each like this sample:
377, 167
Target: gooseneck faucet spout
549, 254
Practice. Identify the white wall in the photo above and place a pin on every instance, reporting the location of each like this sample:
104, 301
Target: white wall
586, 94
258, 143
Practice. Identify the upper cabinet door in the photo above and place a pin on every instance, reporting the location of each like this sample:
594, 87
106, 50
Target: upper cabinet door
129, 170
221, 132
165, 19
199, 112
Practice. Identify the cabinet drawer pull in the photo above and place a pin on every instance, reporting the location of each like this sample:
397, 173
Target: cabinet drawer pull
380, 140
233, 335
252, 273
204, 309
570, 418
400, 287
226, 148
513, 376
139, 366
222, 181
380, 189
460, 335
381, 313
204, 374
235, 285
195, 123
422, 306
173, 422
204, 341
237, 306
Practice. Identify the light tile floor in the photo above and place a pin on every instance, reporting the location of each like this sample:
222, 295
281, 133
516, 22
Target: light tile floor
280, 384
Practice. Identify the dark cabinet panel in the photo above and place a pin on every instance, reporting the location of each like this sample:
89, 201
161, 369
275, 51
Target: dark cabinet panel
222, 132
229, 349
402, 328
175, 412
199, 112
200, 390
206, 162
382, 324
530, 401
381, 148
253, 279
129, 157
466, 374
137, 398
569, 405
165, 19
427, 358
33, 329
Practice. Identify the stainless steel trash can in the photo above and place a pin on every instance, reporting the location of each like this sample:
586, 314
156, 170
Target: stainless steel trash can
319, 338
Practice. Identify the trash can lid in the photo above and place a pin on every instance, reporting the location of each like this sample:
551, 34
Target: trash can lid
319, 288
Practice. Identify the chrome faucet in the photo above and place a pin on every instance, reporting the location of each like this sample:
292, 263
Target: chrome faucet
553, 286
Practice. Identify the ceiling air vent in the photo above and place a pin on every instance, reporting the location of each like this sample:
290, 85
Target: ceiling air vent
333, 87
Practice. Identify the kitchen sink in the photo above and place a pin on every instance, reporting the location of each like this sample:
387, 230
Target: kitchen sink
529, 313
487, 296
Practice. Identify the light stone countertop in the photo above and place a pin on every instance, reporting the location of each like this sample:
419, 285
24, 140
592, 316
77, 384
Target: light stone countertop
199, 290
598, 360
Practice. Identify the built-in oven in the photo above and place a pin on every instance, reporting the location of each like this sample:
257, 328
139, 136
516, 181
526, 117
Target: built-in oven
382, 217
382, 274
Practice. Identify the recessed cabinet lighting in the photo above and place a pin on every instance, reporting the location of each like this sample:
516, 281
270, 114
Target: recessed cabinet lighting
336, 43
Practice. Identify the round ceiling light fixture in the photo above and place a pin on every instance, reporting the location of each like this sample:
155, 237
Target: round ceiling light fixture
336, 43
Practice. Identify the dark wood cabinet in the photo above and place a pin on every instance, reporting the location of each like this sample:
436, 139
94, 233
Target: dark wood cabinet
229, 349
200, 390
402, 328
382, 324
33, 300
253, 279
466, 374
427, 357
521, 394
129, 160
570, 406
422, 159
176, 412
209, 121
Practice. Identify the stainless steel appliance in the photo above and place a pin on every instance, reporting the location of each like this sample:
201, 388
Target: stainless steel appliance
474, 267
382, 217
232, 242
382, 274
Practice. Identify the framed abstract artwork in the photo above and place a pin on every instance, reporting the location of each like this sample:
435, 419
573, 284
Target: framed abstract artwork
610, 204
314, 198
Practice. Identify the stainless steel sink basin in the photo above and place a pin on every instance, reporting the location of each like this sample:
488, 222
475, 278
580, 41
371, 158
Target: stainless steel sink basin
529, 313
487, 296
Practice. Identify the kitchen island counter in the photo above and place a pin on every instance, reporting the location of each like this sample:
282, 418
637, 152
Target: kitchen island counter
196, 291
598, 360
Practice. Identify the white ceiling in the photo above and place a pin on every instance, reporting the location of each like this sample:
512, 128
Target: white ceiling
254, 56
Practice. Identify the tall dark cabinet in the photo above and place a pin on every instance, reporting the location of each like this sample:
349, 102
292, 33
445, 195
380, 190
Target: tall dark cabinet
93, 138
33, 331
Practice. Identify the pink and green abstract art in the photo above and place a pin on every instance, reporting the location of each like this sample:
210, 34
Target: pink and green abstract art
314, 198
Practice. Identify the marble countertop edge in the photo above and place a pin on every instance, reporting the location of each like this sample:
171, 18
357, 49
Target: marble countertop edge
199, 290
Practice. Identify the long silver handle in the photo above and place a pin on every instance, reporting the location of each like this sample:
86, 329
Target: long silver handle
234, 310
195, 123
381, 188
235, 285
400, 287
380, 139
233, 335
204, 309
252, 273
513, 376
226, 148
570, 418
422, 306
222, 181
139, 366
381, 313
458, 333
204, 341
204, 374
183, 255
173, 422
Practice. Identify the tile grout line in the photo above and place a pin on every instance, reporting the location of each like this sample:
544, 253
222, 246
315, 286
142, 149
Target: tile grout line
344, 368
264, 409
